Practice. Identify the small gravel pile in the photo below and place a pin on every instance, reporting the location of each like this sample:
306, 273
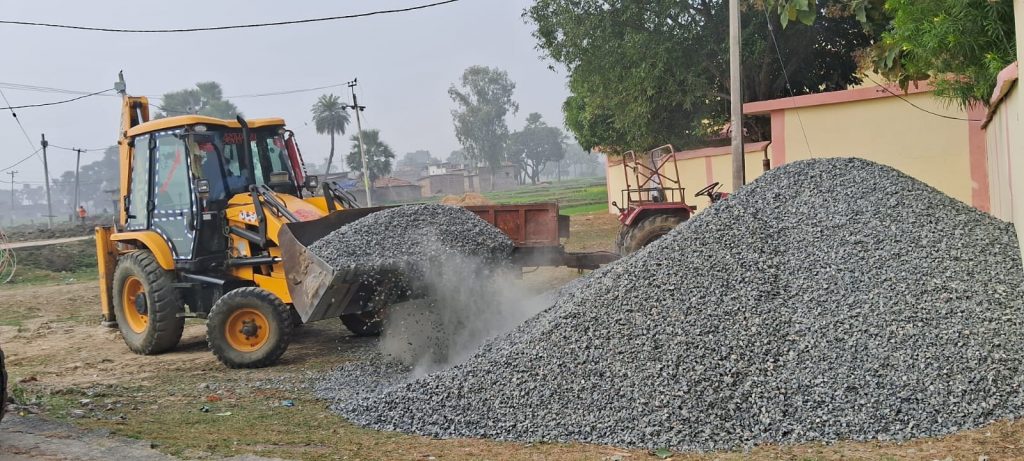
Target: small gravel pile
412, 237
829, 299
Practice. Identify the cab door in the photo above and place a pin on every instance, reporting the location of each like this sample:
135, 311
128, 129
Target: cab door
173, 210
137, 203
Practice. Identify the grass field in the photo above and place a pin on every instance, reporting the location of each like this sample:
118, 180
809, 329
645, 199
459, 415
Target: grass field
576, 196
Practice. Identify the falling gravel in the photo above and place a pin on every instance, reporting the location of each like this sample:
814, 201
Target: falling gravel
412, 237
830, 299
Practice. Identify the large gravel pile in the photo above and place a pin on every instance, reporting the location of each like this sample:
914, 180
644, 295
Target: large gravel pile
830, 299
416, 235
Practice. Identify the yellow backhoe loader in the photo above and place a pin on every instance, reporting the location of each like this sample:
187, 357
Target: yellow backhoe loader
205, 209
215, 220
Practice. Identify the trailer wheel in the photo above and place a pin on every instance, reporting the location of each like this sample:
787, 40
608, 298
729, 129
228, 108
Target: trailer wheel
146, 305
3, 386
249, 328
648, 230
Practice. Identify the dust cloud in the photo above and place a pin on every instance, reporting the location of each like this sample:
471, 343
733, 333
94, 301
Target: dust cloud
467, 302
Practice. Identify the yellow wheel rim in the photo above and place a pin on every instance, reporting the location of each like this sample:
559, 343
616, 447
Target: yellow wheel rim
247, 330
132, 289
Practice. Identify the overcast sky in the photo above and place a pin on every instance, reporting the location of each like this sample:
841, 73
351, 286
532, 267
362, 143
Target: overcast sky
405, 63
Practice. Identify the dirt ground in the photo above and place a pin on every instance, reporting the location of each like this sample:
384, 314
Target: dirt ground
77, 387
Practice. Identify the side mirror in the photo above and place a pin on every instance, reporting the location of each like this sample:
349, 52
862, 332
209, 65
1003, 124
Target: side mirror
311, 183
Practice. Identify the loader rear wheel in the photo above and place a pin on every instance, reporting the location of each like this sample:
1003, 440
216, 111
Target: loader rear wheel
146, 305
648, 230
3, 386
249, 328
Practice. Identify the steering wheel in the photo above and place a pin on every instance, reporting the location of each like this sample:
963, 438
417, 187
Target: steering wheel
707, 190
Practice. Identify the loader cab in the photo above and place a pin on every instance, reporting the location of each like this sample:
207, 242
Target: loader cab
182, 176
220, 158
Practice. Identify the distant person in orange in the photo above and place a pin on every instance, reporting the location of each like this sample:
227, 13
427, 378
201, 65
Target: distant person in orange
81, 214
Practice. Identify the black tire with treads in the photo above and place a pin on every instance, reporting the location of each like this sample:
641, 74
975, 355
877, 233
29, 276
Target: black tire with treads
3, 385
363, 324
620, 240
277, 314
648, 230
164, 328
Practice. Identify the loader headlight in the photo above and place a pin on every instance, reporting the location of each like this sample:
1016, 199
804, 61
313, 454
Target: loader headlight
312, 182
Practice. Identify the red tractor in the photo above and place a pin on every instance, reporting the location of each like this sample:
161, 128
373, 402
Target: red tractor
654, 200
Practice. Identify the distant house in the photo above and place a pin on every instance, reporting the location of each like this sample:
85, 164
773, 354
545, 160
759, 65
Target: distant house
392, 189
443, 184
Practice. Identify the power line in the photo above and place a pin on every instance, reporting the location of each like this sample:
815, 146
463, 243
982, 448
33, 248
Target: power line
10, 107
48, 89
44, 89
237, 26
950, 117
72, 149
17, 120
277, 93
785, 75
19, 162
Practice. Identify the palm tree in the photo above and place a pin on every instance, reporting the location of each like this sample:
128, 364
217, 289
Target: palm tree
378, 155
330, 116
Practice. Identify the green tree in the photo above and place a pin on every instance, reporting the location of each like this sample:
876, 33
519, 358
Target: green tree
92, 178
959, 45
581, 163
206, 98
457, 157
643, 74
417, 160
378, 155
535, 146
330, 116
483, 99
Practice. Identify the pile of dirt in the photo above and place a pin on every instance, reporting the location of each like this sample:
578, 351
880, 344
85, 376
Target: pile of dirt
830, 299
467, 199
24, 233
63, 257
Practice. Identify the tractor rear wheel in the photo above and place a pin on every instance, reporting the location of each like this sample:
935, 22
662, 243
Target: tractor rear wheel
3, 386
620, 240
249, 328
146, 305
648, 230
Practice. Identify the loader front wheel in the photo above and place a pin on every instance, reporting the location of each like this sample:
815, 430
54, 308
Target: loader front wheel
367, 323
146, 305
249, 328
648, 230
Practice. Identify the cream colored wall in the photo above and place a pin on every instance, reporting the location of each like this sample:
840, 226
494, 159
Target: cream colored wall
616, 181
889, 131
1017, 127
1004, 159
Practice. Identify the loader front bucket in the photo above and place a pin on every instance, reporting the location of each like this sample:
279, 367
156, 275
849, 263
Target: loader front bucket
318, 290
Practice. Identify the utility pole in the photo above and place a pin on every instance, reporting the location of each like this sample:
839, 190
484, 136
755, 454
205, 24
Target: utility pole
12, 195
362, 149
46, 177
78, 162
739, 176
